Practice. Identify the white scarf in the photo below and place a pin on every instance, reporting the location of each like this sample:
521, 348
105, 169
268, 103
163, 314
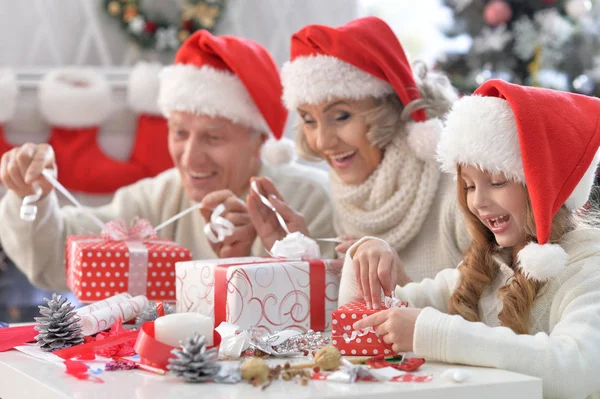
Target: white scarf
393, 202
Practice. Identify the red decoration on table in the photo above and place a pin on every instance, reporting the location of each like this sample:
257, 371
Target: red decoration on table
408, 364
412, 378
80, 371
77, 350
124, 349
152, 352
15, 336
358, 343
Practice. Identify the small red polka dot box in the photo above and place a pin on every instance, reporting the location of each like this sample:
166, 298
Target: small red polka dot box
98, 268
352, 342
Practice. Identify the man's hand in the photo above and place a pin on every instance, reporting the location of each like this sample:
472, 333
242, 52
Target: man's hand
240, 242
22, 166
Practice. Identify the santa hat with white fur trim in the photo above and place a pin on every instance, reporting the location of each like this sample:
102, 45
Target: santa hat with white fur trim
230, 77
360, 59
544, 138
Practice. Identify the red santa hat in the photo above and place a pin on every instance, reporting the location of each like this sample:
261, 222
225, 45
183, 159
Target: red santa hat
230, 77
544, 138
360, 59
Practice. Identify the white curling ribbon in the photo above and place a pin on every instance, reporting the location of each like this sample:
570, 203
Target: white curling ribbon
232, 344
28, 211
356, 333
269, 205
296, 246
218, 228
393, 302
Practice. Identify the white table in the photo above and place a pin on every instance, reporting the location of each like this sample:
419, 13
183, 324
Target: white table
22, 376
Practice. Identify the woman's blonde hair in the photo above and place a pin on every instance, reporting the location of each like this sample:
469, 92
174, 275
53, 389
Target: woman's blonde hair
479, 269
388, 117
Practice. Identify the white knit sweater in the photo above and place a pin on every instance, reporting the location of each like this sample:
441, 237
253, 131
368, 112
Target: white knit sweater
38, 248
563, 346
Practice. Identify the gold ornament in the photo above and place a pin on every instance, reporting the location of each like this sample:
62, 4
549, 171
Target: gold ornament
328, 358
130, 13
183, 35
207, 15
114, 8
255, 370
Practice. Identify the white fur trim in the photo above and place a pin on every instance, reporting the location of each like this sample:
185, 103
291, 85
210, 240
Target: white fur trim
542, 262
208, 91
8, 94
278, 152
423, 138
482, 132
142, 88
581, 193
318, 78
74, 97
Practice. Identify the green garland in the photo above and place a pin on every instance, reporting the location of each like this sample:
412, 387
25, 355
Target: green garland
155, 32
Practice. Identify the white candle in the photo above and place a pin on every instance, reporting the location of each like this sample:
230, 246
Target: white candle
175, 327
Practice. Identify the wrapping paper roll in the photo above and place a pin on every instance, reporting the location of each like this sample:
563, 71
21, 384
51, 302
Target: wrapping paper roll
106, 316
104, 303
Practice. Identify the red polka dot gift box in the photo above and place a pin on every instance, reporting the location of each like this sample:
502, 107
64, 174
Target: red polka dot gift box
353, 342
98, 268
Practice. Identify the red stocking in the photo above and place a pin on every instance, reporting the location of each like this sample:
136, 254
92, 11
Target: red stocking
75, 102
151, 147
8, 104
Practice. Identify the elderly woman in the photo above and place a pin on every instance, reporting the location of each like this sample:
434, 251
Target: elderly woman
376, 123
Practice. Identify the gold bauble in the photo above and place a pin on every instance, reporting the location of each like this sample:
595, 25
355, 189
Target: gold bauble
255, 369
114, 8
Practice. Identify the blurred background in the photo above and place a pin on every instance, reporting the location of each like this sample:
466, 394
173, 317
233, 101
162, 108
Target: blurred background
545, 43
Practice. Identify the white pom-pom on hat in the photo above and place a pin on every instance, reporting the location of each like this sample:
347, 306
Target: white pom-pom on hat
278, 152
423, 138
542, 262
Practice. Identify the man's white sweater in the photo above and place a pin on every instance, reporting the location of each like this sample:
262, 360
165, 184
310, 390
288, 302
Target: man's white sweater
37, 248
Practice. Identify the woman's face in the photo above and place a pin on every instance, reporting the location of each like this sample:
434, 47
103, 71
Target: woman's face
337, 131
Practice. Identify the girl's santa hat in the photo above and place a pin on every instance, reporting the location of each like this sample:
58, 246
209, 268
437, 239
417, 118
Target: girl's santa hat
543, 138
229, 77
360, 59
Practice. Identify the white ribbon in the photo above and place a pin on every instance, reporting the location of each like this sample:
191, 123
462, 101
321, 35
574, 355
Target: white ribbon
356, 333
216, 230
296, 246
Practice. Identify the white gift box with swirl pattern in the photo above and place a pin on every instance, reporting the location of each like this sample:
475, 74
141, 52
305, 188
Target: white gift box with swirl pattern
273, 294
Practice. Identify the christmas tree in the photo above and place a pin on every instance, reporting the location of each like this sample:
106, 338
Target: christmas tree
544, 43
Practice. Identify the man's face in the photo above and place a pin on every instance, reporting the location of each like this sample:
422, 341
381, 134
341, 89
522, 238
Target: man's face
213, 153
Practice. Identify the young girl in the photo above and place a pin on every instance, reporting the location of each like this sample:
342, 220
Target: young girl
375, 121
526, 297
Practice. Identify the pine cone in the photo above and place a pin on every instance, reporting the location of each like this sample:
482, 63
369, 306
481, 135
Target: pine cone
149, 313
194, 362
59, 328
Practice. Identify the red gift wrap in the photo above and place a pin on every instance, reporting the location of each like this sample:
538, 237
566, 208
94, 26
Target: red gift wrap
351, 342
98, 268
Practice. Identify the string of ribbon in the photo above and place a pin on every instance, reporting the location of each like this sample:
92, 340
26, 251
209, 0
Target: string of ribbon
216, 230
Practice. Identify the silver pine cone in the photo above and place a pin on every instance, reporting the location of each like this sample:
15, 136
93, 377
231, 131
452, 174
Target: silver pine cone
149, 313
193, 362
59, 326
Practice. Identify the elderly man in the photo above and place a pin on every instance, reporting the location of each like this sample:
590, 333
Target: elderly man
222, 101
